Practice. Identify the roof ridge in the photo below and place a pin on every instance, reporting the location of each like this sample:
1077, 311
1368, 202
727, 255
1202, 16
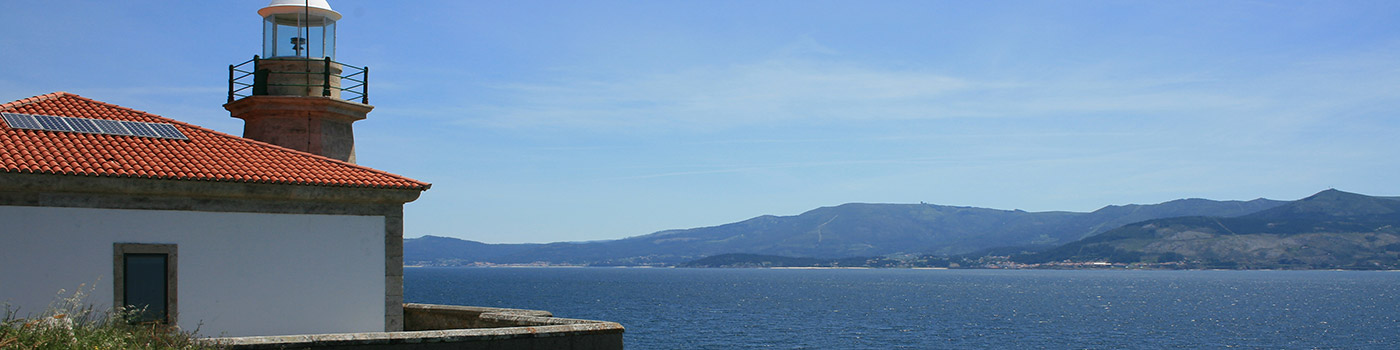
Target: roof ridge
256, 142
34, 99
117, 106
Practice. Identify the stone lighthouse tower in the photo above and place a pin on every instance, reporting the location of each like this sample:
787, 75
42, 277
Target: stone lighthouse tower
295, 94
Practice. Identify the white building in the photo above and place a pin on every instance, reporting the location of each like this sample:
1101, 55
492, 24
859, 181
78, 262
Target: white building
231, 235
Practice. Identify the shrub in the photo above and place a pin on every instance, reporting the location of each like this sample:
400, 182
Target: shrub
70, 323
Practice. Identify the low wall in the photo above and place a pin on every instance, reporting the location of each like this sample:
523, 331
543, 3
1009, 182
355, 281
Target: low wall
427, 317
432, 327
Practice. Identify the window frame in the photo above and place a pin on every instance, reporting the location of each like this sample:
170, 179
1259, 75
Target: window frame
171, 252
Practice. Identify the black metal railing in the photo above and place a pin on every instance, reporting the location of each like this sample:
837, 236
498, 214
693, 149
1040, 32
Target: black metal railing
245, 80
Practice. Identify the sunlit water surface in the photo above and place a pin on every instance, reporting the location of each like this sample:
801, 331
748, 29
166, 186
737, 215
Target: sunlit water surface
953, 309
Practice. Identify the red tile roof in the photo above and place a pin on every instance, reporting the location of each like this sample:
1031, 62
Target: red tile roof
207, 156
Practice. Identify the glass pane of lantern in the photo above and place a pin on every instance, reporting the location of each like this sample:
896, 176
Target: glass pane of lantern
269, 38
286, 37
313, 47
328, 41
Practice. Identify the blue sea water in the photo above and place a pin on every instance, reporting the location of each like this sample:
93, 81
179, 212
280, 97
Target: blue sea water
945, 309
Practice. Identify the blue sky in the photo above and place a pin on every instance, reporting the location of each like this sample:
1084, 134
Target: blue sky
542, 121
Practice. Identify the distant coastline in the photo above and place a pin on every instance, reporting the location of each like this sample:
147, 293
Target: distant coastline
1330, 230
1097, 267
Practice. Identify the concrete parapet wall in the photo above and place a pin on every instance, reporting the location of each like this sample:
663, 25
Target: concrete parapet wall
426, 317
296, 77
433, 327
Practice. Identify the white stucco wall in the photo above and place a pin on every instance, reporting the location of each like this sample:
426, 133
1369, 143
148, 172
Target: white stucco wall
239, 273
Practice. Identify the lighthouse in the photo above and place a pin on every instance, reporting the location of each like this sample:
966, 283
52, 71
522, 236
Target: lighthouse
295, 94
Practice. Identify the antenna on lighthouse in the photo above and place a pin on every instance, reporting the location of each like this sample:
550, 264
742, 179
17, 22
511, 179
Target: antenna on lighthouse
302, 29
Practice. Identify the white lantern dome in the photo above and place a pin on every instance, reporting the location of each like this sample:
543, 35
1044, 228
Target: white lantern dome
318, 7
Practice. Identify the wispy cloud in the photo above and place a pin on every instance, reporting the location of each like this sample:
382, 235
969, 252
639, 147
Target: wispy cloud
817, 85
789, 165
720, 97
813, 91
203, 90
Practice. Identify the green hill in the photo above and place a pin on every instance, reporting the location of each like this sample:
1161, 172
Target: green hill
1332, 229
848, 230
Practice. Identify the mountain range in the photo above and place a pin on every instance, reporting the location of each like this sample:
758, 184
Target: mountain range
1331, 229
848, 230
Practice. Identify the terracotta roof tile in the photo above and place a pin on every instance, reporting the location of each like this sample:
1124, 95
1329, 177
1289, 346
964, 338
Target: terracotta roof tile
207, 156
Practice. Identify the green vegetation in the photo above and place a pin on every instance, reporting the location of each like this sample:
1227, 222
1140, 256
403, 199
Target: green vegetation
755, 260
69, 323
1329, 230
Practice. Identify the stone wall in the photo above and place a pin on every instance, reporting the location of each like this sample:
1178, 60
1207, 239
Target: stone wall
433, 327
427, 317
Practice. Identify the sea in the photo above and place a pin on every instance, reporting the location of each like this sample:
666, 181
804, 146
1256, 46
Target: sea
680, 308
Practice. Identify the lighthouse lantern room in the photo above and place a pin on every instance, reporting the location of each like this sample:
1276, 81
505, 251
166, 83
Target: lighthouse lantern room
294, 28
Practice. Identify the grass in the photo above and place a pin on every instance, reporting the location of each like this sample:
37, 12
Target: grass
70, 323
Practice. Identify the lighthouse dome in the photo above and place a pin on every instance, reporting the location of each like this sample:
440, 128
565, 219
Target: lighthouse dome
315, 7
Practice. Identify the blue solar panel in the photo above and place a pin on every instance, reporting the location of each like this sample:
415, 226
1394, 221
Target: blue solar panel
52, 123
83, 125
92, 126
21, 121
140, 129
168, 131
111, 127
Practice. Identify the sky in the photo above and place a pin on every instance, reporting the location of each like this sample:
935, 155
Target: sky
546, 121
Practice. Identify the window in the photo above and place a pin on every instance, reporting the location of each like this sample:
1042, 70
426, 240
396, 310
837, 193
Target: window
144, 281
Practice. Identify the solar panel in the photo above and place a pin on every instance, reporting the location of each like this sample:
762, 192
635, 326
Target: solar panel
140, 129
168, 131
111, 127
83, 125
21, 121
52, 123
92, 126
